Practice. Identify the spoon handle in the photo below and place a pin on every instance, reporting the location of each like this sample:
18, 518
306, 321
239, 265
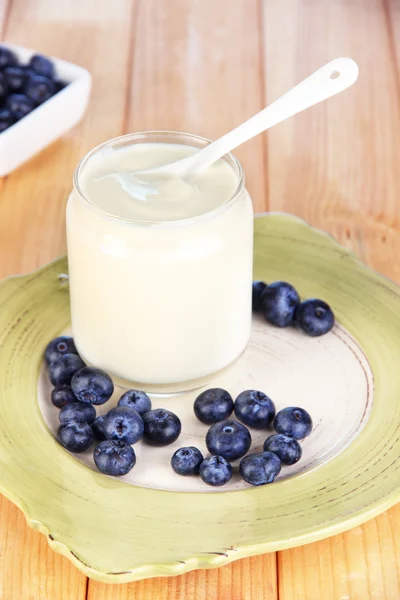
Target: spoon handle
332, 78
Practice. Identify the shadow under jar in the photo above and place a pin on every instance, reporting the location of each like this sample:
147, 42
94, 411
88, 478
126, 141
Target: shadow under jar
160, 283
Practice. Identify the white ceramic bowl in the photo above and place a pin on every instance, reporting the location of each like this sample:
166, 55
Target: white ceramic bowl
48, 121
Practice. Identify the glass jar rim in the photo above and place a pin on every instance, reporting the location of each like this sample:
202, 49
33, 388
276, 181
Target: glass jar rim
147, 136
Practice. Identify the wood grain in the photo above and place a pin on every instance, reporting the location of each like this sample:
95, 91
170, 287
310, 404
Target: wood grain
337, 166
248, 579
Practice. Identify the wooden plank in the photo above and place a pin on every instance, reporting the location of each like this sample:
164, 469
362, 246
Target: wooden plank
197, 68
248, 579
337, 166
95, 34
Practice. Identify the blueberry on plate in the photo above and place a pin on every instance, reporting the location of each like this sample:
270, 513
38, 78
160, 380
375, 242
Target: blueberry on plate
257, 289
62, 371
75, 436
124, 424
259, 469
161, 427
6, 119
7, 58
187, 461
58, 347
114, 457
137, 400
255, 409
92, 385
62, 395
294, 422
279, 301
39, 88
3, 86
228, 439
215, 470
15, 77
60, 85
20, 105
77, 411
98, 428
42, 65
213, 405
288, 449
314, 317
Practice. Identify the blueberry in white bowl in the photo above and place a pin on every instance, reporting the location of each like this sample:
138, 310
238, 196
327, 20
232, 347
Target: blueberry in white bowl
98, 428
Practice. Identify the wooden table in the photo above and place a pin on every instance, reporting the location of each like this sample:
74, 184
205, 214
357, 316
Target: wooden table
204, 66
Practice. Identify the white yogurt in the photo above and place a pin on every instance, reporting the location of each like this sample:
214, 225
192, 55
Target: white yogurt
160, 270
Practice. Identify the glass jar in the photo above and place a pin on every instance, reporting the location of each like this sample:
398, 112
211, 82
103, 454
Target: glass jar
160, 306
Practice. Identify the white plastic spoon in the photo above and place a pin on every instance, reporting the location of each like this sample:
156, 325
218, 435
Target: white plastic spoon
332, 78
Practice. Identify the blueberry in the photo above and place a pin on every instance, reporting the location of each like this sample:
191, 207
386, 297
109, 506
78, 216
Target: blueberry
279, 301
288, 449
3, 86
123, 423
20, 105
161, 427
39, 88
257, 290
7, 58
92, 385
77, 411
58, 347
315, 317
98, 428
62, 395
255, 409
76, 436
114, 457
137, 400
62, 371
42, 65
213, 405
259, 469
6, 119
215, 470
15, 77
60, 85
228, 439
294, 422
187, 461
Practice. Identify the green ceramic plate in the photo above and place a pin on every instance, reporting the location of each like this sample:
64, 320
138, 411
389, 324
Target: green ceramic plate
116, 532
